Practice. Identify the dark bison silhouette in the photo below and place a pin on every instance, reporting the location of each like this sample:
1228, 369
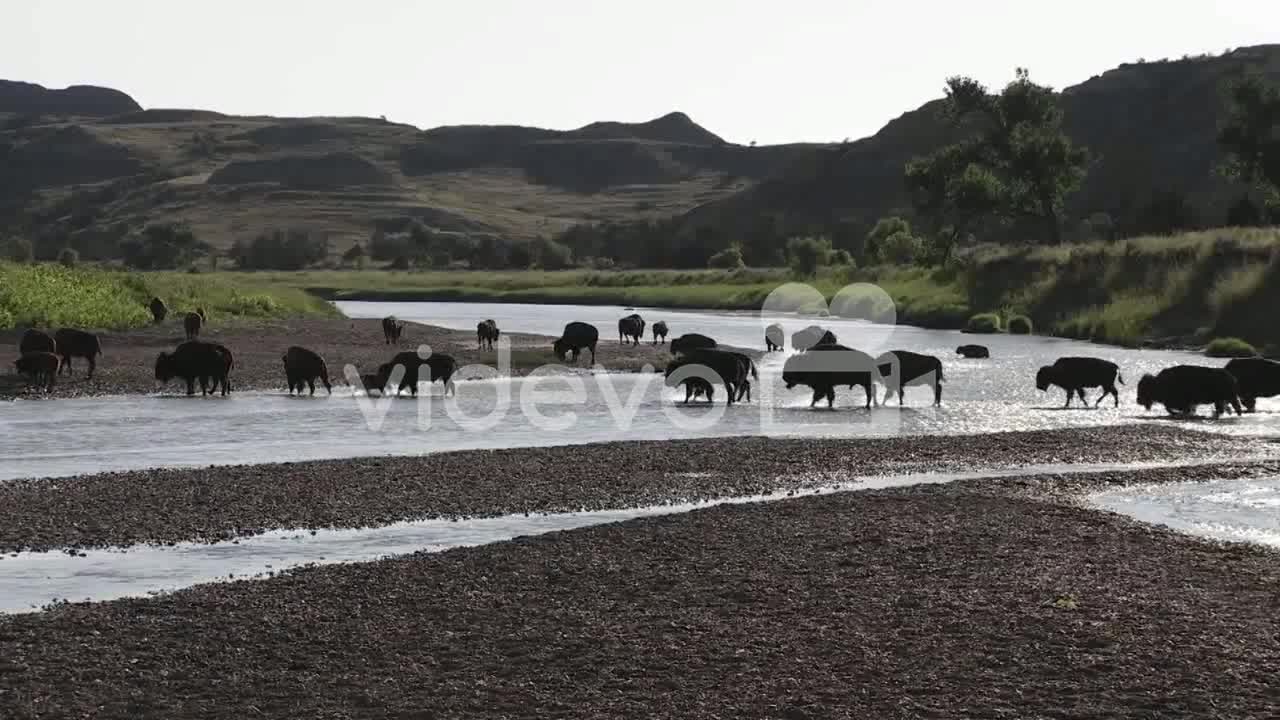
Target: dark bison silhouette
74, 343
228, 361
34, 341
159, 311
373, 382
973, 351
196, 361
304, 367
577, 336
1255, 378
439, 367
707, 366
631, 328
1074, 374
746, 373
812, 336
391, 329
900, 368
660, 331
487, 334
689, 342
827, 366
40, 367
774, 338
696, 387
191, 325
1182, 388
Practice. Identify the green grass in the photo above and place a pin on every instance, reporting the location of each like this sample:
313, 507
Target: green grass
1229, 347
50, 295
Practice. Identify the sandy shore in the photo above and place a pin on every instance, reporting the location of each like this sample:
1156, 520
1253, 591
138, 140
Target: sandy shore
974, 599
222, 503
128, 362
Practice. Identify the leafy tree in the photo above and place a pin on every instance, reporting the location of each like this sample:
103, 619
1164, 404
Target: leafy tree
900, 248
954, 191
840, 257
1251, 135
806, 254
280, 250
162, 247
729, 258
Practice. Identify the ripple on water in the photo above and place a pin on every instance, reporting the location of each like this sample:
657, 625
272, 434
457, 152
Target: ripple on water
1234, 510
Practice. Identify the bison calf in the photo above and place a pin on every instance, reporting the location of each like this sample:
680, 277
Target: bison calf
303, 366
660, 331
40, 367
487, 334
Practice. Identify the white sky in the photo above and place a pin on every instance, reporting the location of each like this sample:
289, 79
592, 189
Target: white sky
803, 70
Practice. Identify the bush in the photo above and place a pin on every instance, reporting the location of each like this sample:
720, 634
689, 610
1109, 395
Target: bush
1229, 347
278, 250
68, 257
1019, 325
898, 249
729, 258
840, 258
806, 254
983, 323
162, 247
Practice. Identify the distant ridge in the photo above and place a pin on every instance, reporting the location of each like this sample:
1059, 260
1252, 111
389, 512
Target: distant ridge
83, 100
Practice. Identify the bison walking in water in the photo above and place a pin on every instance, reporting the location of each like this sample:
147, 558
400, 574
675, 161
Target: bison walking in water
486, 334
812, 336
827, 366
34, 341
659, 331
195, 360
373, 382
1074, 374
703, 367
631, 327
228, 361
77, 343
159, 311
303, 366
973, 351
1182, 388
191, 325
1255, 378
391, 329
689, 342
439, 367
774, 338
899, 368
577, 336
40, 367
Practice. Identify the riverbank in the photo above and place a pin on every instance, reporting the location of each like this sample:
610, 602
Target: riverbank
224, 503
127, 365
970, 599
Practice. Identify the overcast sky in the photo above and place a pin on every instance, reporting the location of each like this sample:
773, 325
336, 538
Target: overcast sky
802, 70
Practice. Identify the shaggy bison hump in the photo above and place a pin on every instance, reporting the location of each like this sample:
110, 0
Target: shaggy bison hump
34, 341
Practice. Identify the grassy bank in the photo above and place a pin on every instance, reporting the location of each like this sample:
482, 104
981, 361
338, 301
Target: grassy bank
54, 296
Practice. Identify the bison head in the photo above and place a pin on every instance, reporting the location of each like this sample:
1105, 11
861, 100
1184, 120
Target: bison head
561, 348
164, 367
1045, 377
1148, 391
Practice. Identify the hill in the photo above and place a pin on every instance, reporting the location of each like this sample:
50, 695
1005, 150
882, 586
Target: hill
82, 100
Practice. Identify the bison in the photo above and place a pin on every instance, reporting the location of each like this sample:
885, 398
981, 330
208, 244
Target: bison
973, 351
774, 338
34, 341
439, 367
40, 367
812, 336
706, 366
391, 329
487, 334
690, 342
746, 373
303, 366
191, 325
228, 361
899, 368
631, 326
77, 343
660, 331
577, 336
1255, 378
373, 382
1074, 374
827, 366
1182, 388
159, 311
195, 360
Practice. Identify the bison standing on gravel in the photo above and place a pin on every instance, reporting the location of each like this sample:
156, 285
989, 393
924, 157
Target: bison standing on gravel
827, 366
1255, 378
660, 331
899, 368
812, 336
159, 311
391, 330
439, 367
34, 341
774, 338
40, 367
973, 351
77, 343
486, 334
705, 366
191, 325
577, 336
690, 342
192, 361
303, 366
1182, 388
1074, 374
632, 327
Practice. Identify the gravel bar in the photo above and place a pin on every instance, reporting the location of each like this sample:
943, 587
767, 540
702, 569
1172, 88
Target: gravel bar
945, 601
222, 503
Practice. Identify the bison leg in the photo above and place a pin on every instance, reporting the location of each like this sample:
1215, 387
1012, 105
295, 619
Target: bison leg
1083, 400
311, 384
1069, 394
191, 386
93, 365
1250, 403
937, 393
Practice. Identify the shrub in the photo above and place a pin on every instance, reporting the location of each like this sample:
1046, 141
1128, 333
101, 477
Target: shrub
806, 254
1229, 347
1019, 325
729, 258
68, 257
254, 305
840, 258
898, 249
983, 323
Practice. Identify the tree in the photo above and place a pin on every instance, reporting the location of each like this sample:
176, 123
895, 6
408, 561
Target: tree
1251, 135
1019, 161
954, 192
729, 258
162, 247
806, 254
